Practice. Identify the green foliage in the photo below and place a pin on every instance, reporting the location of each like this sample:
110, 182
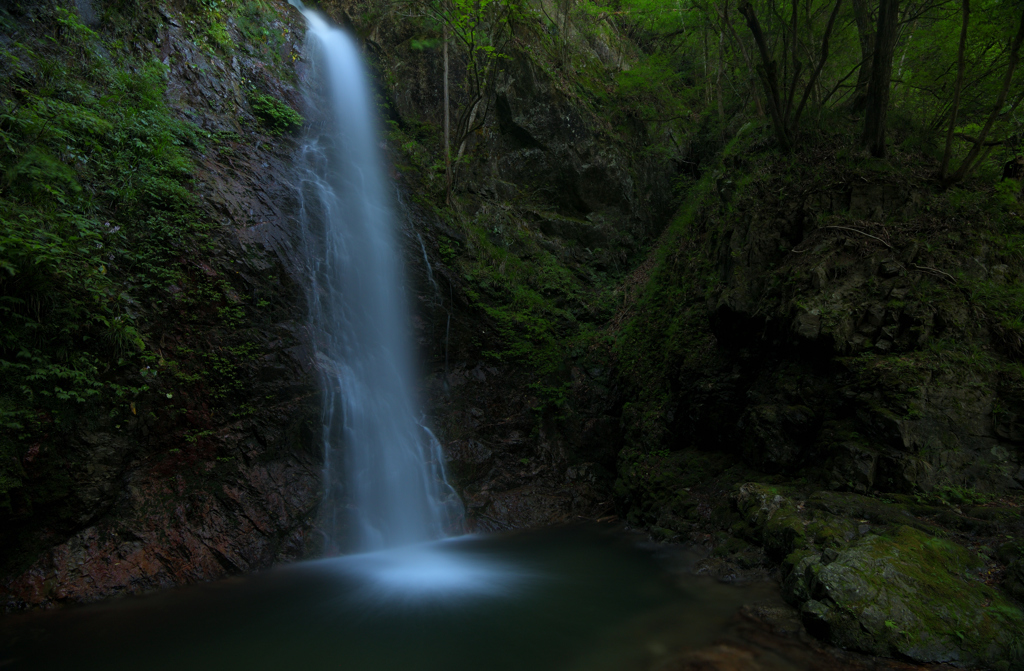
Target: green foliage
217, 33
258, 23
275, 114
665, 329
224, 26
543, 311
532, 329
478, 31
655, 91
425, 44
925, 79
95, 208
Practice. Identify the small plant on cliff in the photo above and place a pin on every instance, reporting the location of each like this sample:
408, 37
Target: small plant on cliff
276, 115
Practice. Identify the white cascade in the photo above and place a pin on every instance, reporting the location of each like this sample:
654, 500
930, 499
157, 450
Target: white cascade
384, 470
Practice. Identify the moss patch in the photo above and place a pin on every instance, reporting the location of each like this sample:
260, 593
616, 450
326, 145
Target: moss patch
915, 595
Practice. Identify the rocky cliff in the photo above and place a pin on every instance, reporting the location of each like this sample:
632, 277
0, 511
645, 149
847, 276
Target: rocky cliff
197, 454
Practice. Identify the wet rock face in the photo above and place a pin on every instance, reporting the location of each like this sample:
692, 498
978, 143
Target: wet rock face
824, 326
513, 470
543, 161
545, 144
216, 471
163, 534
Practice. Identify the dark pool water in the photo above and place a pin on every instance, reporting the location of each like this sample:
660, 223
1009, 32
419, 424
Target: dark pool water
551, 599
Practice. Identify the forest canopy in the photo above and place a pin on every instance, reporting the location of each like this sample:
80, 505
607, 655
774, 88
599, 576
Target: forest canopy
944, 72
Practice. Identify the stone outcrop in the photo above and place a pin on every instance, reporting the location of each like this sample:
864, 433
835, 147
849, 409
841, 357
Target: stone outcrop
829, 346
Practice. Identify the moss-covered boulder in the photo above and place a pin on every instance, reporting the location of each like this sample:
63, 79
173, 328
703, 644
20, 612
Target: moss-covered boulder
774, 519
914, 595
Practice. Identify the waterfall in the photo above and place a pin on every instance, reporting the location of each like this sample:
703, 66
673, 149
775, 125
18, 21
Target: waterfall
384, 471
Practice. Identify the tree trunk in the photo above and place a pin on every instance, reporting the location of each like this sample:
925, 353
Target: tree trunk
718, 85
447, 126
881, 75
707, 75
769, 78
747, 59
866, 33
956, 90
821, 63
794, 48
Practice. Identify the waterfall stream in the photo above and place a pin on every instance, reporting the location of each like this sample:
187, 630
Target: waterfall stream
384, 471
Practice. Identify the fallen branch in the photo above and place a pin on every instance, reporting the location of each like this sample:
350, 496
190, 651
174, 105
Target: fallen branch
846, 228
987, 143
935, 271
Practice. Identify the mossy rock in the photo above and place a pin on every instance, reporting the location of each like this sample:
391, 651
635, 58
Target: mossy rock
1011, 551
774, 519
730, 545
994, 514
803, 568
831, 531
662, 534
793, 560
913, 595
856, 505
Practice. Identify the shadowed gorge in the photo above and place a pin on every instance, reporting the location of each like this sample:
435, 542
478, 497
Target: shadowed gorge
538, 333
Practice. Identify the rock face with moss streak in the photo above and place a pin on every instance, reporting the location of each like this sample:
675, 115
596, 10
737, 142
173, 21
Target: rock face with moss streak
214, 468
910, 594
551, 205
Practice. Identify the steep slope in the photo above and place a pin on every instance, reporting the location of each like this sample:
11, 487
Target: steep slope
824, 357
158, 404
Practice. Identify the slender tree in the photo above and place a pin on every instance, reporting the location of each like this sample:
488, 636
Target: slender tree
781, 107
956, 90
881, 76
768, 72
447, 123
478, 30
821, 62
866, 37
751, 68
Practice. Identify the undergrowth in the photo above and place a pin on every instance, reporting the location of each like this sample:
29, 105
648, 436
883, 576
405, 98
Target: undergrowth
97, 214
